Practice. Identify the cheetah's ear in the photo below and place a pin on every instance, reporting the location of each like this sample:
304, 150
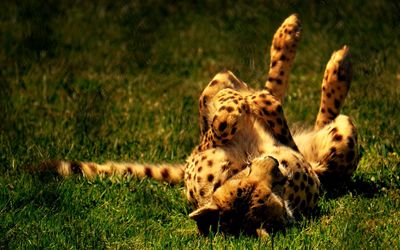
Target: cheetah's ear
206, 218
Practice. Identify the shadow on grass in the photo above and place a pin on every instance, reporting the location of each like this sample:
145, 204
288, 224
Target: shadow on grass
358, 186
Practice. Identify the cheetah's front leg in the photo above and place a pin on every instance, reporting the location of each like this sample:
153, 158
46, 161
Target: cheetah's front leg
283, 51
268, 109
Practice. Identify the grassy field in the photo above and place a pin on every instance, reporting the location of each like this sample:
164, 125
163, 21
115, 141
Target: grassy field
120, 81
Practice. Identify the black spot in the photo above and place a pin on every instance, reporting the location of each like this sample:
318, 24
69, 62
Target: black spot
296, 188
302, 205
239, 192
337, 137
222, 126
302, 186
330, 111
233, 131
210, 163
279, 109
273, 63
199, 179
332, 165
148, 172
291, 197
205, 124
271, 79
333, 150
191, 194
271, 123
268, 102
282, 139
284, 131
129, 170
342, 75
328, 95
296, 175
350, 143
229, 109
315, 198
226, 166
76, 167
165, 173
217, 185
261, 201
305, 177
265, 111
296, 201
224, 141
202, 193
213, 82
281, 73
350, 156
309, 197
311, 181
199, 169
337, 103
283, 57
333, 131
262, 95
279, 121
284, 163
278, 81
205, 100
210, 178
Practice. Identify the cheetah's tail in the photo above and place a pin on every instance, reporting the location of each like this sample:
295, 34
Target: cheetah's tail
170, 173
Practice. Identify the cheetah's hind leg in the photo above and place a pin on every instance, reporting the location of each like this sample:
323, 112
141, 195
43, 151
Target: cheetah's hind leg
229, 115
331, 148
223, 80
283, 51
335, 86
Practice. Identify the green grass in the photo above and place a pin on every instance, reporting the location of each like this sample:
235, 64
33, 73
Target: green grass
120, 81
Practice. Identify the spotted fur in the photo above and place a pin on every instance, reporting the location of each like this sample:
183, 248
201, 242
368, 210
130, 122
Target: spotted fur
249, 173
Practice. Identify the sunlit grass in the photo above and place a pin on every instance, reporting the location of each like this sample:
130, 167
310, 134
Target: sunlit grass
120, 82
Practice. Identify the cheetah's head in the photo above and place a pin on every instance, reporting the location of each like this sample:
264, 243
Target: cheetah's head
250, 205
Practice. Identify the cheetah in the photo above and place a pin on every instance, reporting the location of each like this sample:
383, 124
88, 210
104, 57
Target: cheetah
250, 174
